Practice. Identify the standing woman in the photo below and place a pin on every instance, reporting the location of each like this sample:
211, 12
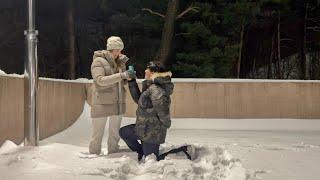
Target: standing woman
153, 114
109, 74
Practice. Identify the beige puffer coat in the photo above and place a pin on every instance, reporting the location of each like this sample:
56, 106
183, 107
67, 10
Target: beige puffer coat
106, 75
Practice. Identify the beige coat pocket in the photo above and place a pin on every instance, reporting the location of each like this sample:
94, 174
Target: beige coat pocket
107, 96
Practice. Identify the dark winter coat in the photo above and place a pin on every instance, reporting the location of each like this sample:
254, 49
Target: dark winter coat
153, 113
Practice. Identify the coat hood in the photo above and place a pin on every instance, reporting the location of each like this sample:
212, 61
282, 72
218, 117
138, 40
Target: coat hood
122, 60
164, 80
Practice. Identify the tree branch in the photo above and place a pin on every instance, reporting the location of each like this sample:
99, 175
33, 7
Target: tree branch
288, 47
153, 12
191, 8
286, 39
314, 19
183, 34
289, 71
315, 28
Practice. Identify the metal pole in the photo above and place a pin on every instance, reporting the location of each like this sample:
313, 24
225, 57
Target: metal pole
31, 125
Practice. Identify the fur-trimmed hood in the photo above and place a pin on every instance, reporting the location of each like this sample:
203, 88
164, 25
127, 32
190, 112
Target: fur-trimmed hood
163, 79
161, 74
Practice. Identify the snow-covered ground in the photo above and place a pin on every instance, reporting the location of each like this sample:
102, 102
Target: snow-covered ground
224, 152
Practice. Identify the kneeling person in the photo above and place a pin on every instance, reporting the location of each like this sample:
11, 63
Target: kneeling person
153, 114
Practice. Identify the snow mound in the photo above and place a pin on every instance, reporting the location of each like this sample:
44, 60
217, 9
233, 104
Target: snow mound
2, 72
211, 163
7, 147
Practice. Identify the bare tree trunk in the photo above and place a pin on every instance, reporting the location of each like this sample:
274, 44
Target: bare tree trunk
240, 50
318, 67
279, 47
302, 52
71, 43
168, 31
269, 75
254, 74
307, 58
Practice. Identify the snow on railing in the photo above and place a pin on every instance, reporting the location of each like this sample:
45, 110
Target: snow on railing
181, 80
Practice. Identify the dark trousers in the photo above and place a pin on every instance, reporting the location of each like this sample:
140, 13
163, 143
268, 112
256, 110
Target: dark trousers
127, 133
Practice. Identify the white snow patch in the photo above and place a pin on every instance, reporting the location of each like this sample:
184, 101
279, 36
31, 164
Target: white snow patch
304, 145
211, 163
7, 147
80, 80
181, 80
2, 72
214, 80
